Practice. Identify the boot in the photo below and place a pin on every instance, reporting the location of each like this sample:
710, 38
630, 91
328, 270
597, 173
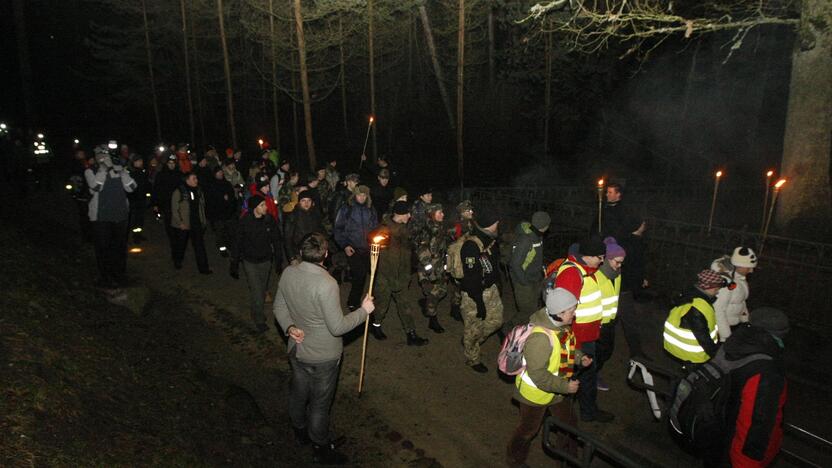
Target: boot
479, 368
327, 455
377, 332
301, 436
433, 324
414, 340
455, 314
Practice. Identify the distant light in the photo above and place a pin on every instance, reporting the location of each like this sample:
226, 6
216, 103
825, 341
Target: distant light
135, 250
769, 173
223, 249
780, 183
68, 187
40, 136
260, 141
112, 145
76, 141
3, 126
161, 149
718, 174
147, 195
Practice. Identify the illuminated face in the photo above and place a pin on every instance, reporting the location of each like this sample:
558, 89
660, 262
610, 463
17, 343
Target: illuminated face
261, 210
568, 315
351, 184
615, 263
294, 179
468, 214
321, 174
383, 181
171, 164
594, 261
305, 204
139, 163
439, 216
192, 180
613, 195
427, 198
360, 198
401, 218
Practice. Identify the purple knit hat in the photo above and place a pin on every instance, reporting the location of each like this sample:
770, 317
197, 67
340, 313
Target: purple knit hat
613, 249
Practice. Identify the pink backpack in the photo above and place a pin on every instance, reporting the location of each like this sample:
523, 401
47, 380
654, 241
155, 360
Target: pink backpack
510, 360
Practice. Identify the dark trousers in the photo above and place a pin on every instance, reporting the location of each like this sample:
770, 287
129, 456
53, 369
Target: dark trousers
136, 218
257, 276
110, 240
605, 345
223, 229
359, 263
84, 223
531, 418
626, 315
311, 392
588, 390
171, 232
197, 236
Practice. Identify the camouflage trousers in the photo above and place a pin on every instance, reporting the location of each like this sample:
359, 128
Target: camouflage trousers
434, 291
384, 297
478, 330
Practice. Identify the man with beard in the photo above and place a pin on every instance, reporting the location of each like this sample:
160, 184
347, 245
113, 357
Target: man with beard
303, 220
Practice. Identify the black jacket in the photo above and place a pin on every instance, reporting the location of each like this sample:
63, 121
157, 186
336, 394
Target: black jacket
298, 224
381, 197
220, 200
481, 269
258, 240
138, 197
164, 185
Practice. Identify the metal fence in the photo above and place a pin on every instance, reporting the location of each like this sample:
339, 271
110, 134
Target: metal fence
793, 274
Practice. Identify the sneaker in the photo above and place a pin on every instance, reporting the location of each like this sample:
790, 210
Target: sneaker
480, 368
327, 455
601, 385
601, 416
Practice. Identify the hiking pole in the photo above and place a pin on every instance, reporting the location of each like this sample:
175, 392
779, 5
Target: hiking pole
367, 137
375, 249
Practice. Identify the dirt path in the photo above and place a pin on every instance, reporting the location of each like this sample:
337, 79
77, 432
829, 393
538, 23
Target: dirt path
421, 406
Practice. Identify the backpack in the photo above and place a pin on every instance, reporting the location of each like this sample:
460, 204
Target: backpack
697, 414
453, 259
510, 359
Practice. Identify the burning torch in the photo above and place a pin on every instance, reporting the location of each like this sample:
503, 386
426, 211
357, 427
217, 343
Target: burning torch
777, 186
366, 137
600, 201
378, 238
765, 197
717, 178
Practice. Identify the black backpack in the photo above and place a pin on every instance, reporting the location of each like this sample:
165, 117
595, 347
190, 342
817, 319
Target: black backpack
697, 413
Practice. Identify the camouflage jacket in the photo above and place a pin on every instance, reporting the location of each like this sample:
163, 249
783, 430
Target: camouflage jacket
431, 243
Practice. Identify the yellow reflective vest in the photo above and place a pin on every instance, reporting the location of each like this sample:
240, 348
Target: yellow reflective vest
589, 309
681, 342
526, 386
610, 290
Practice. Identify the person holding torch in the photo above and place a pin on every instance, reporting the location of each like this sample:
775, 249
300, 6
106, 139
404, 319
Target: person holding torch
307, 308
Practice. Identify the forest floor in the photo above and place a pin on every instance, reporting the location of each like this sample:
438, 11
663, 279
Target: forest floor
173, 373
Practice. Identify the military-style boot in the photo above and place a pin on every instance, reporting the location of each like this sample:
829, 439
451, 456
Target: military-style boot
433, 324
455, 314
377, 332
414, 340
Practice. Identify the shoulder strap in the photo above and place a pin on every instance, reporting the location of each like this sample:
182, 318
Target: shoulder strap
727, 366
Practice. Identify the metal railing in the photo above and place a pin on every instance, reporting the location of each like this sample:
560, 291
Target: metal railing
592, 447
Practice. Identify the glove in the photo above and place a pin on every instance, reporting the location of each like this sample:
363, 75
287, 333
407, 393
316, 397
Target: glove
233, 272
481, 310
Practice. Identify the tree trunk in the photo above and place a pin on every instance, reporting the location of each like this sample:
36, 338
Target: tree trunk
460, 69
371, 54
200, 109
548, 99
304, 83
437, 69
294, 95
228, 87
491, 71
806, 200
275, 114
187, 70
21, 38
150, 73
343, 78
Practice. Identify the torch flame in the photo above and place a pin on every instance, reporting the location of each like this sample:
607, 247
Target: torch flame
136, 250
260, 141
780, 183
378, 239
600, 182
718, 174
372, 118
769, 173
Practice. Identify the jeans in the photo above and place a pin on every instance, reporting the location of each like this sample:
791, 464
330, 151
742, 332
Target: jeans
257, 276
311, 392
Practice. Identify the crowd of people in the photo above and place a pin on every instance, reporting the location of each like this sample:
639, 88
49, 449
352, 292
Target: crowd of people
314, 229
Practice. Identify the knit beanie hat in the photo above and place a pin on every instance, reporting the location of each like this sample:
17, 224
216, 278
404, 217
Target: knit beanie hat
707, 279
262, 181
744, 257
541, 220
254, 201
613, 249
558, 300
305, 194
772, 320
486, 218
399, 192
400, 208
592, 248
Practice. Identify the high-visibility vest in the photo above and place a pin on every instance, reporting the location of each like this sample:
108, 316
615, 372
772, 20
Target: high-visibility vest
589, 309
681, 342
610, 290
561, 363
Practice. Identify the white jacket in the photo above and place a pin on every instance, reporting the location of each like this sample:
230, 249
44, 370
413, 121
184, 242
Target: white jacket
730, 305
